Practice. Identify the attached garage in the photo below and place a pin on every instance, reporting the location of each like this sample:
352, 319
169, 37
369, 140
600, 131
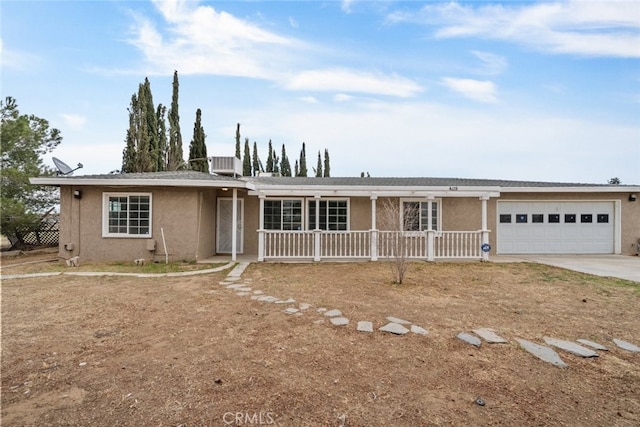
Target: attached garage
556, 227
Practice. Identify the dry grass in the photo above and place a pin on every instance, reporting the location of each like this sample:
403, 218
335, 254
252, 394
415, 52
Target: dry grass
186, 351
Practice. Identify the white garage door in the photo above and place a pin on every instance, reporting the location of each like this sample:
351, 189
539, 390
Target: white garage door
555, 228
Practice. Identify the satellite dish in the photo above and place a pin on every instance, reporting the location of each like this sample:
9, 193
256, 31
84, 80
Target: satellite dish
63, 168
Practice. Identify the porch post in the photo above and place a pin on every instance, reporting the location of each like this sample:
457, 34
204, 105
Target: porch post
485, 231
430, 231
234, 225
316, 231
374, 229
261, 229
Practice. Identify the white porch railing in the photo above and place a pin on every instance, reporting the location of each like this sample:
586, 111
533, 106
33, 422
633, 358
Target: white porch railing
370, 244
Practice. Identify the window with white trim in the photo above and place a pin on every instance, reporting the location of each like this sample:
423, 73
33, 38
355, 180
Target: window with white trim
126, 215
333, 214
415, 215
283, 214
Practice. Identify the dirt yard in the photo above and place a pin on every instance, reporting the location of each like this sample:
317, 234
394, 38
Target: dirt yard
118, 351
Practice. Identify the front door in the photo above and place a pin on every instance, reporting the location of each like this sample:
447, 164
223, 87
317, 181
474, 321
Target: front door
224, 226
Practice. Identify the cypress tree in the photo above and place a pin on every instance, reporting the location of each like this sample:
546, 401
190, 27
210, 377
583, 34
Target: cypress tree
297, 169
327, 168
129, 157
152, 127
198, 149
303, 162
257, 166
162, 138
246, 161
269, 167
238, 156
285, 166
318, 169
175, 156
144, 163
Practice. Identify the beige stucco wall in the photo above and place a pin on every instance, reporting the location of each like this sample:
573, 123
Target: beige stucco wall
188, 216
185, 214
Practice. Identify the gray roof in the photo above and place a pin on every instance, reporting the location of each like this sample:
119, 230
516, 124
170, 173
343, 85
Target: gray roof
183, 175
412, 182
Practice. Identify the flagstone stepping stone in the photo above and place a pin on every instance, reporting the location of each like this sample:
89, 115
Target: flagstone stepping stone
592, 344
418, 330
399, 321
285, 301
333, 313
394, 328
304, 306
365, 326
340, 321
258, 292
542, 352
626, 345
469, 339
232, 279
571, 347
291, 310
243, 294
236, 286
243, 289
265, 298
322, 310
489, 336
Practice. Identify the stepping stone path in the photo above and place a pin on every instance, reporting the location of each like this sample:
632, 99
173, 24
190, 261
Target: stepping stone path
489, 336
394, 328
340, 321
469, 339
364, 326
570, 347
333, 313
399, 326
593, 344
541, 352
626, 345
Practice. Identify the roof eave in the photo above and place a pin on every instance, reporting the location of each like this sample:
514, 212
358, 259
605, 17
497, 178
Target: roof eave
137, 182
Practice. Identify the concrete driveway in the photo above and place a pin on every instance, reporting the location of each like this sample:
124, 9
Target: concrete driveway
620, 266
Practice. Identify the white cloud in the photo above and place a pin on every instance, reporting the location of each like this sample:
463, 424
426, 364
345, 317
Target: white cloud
492, 64
74, 121
293, 22
342, 97
309, 99
346, 5
478, 90
345, 80
590, 28
17, 60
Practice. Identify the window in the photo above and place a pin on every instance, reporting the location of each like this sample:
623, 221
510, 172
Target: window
126, 215
586, 218
522, 218
415, 215
537, 218
283, 214
569, 218
603, 218
505, 218
334, 214
554, 218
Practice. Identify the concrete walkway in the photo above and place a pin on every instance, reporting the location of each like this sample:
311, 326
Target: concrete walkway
619, 266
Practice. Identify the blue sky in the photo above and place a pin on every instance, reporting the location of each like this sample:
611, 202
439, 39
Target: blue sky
514, 90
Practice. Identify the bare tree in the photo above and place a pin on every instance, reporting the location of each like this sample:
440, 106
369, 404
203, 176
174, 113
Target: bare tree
395, 221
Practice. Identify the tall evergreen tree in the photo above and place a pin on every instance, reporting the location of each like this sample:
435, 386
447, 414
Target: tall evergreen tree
318, 168
152, 126
198, 148
285, 166
175, 156
163, 145
270, 162
129, 154
327, 168
238, 155
303, 162
257, 165
246, 160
